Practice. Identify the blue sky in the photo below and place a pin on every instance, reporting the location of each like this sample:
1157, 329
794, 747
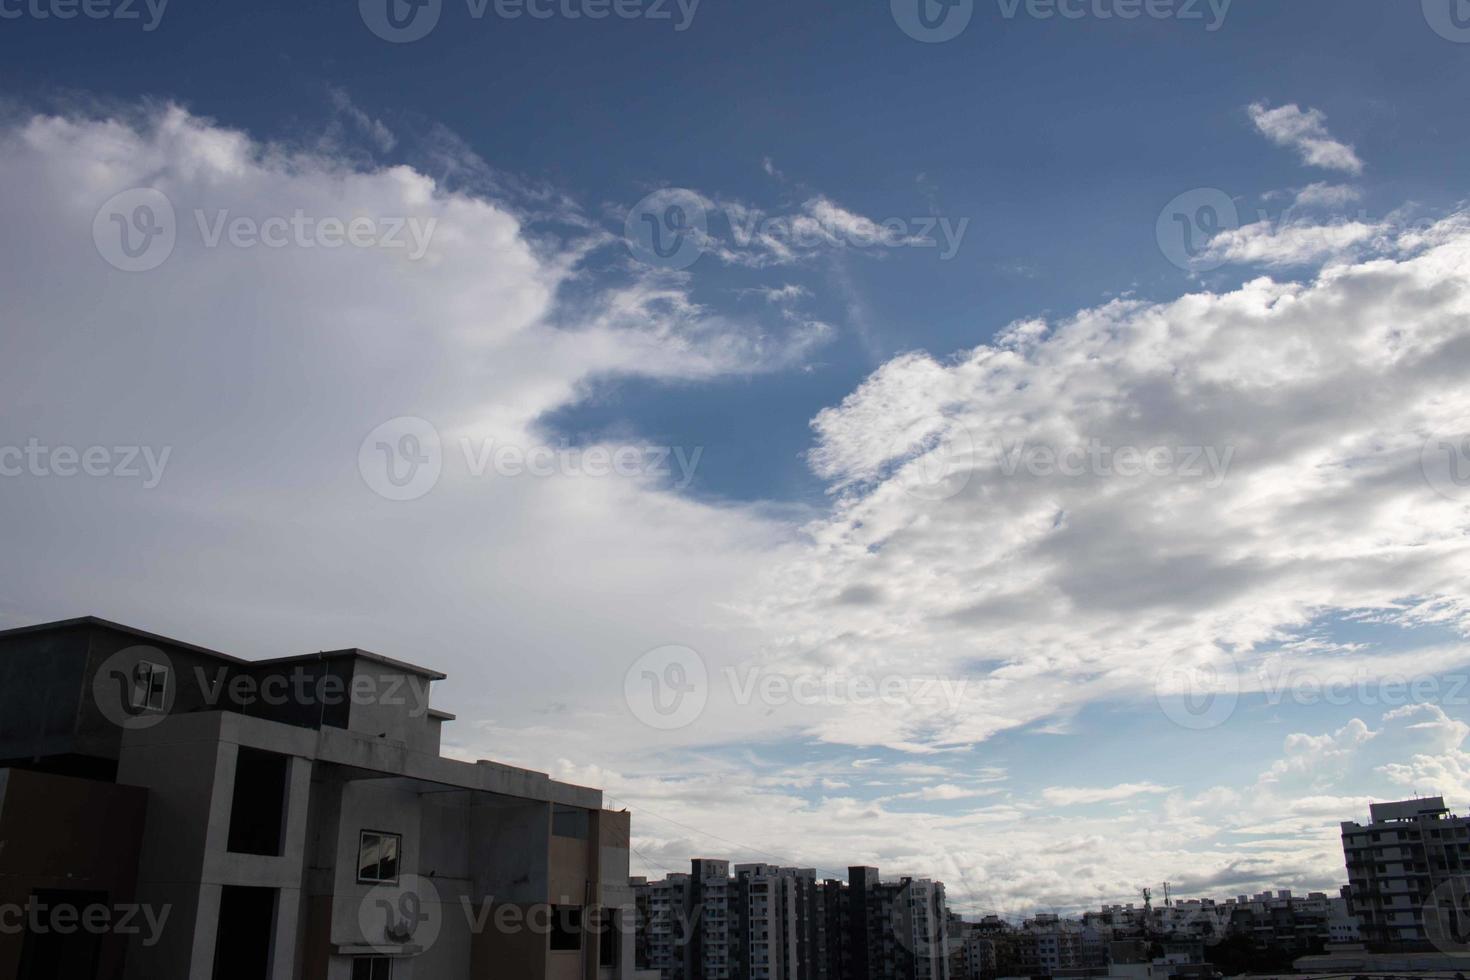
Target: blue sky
1058, 140
840, 518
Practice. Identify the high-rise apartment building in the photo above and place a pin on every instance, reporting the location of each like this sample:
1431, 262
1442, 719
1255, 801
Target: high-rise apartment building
1408, 855
664, 924
771, 923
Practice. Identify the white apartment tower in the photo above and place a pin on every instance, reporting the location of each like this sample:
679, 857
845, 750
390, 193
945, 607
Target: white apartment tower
1410, 854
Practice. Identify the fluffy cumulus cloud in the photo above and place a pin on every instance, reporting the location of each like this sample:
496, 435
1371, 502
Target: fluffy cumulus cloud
263, 350
1305, 131
1027, 528
1064, 511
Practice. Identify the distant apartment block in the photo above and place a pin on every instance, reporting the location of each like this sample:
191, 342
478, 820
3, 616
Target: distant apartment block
1410, 853
278, 820
971, 951
764, 922
1278, 920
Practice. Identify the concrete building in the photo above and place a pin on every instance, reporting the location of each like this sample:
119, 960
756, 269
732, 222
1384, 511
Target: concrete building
770, 941
971, 951
1279, 921
282, 819
774, 923
713, 951
1409, 854
1067, 947
664, 925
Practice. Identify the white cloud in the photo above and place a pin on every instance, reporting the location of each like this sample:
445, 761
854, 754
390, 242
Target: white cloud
1072, 588
1305, 131
1083, 795
1279, 246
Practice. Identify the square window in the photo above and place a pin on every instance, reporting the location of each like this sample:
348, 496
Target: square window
377, 856
571, 821
372, 968
150, 684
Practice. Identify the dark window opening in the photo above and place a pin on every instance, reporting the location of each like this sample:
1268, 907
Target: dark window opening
377, 856
571, 821
372, 968
246, 933
566, 928
609, 940
52, 955
258, 809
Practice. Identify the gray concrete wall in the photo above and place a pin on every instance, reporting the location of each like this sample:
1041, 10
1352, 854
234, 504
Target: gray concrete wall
187, 764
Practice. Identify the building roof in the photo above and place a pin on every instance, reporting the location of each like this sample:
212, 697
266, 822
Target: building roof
133, 631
